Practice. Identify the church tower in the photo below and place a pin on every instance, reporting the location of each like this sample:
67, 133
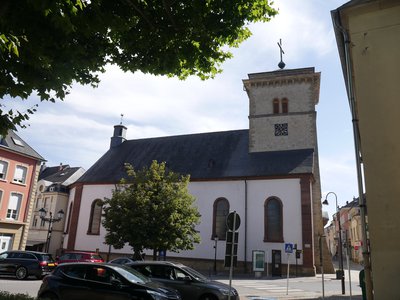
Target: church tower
283, 118
282, 109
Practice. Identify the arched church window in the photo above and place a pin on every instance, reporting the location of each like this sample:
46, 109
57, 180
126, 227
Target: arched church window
220, 212
95, 217
273, 220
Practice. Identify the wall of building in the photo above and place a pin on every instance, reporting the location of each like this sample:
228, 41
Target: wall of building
375, 47
287, 190
17, 228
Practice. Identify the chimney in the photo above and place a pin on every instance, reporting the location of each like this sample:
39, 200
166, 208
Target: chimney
60, 167
119, 136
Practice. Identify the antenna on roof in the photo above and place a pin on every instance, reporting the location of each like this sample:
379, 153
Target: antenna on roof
122, 115
281, 64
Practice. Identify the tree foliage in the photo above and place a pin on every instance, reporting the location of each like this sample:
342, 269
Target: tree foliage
152, 209
47, 45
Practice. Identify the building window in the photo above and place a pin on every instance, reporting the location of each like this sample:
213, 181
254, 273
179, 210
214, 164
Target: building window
1, 197
280, 106
14, 206
275, 106
20, 174
285, 106
3, 169
220, 212
95, 217
273, 220
281, 129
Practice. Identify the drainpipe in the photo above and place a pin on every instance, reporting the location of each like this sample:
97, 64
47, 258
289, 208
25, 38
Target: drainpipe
357, 147
245, 226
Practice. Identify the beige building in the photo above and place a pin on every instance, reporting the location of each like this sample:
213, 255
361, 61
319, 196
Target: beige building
52, 196
368, 38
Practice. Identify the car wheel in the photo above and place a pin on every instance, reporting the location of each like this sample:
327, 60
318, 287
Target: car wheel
21, 273
48, 296
208, 297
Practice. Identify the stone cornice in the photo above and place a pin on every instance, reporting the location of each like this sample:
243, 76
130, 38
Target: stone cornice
280, 78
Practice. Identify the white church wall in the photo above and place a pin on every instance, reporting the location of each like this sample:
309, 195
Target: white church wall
288, 190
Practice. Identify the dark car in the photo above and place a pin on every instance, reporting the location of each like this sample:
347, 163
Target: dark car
80, 257
26, 263
84, 281
122, 260
188, 282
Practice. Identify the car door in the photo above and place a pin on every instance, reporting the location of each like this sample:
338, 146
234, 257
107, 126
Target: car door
99, 279
4, 263
174, 278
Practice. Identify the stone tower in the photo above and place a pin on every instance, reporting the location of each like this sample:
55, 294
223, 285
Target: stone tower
282, 118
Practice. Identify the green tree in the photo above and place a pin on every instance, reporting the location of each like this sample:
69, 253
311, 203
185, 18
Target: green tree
151, 209
47, 45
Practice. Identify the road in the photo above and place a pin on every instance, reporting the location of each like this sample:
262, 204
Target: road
248, 288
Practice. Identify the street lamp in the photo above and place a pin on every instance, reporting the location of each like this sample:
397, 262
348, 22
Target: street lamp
50, 220
215, 253
341, 272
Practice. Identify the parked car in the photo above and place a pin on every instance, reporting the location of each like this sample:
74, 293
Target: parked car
26, 263
122, 260
76, 256
191, 284
83, 281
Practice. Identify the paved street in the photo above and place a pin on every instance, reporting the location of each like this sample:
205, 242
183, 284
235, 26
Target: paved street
249, 288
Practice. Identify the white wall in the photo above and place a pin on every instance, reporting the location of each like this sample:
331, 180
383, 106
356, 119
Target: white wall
287, 190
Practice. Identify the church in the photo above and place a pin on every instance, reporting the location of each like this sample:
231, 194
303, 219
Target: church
268, 174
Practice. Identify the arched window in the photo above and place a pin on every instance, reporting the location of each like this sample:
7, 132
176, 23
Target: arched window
275, 106
95, 217
285, 105
273, 220
221, 211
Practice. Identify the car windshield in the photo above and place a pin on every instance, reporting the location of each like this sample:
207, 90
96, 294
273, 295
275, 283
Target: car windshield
96, 256
131, 274
195, 274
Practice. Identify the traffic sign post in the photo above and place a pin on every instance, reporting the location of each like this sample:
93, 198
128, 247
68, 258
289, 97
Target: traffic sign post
232, 238
289, 250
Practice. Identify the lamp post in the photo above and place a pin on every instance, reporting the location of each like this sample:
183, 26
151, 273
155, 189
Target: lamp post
341, 272
50, 220
215, 253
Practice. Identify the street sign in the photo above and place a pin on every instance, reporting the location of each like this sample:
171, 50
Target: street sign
230, 220
288, 247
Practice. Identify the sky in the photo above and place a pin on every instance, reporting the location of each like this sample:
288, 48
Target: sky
77, 131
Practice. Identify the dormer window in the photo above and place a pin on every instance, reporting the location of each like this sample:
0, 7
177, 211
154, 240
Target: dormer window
280, 106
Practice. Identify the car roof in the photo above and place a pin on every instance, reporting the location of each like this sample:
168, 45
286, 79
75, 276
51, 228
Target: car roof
28, 251
153, 262
80, 252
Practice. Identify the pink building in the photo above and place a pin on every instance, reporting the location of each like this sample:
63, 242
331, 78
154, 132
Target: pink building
19, 170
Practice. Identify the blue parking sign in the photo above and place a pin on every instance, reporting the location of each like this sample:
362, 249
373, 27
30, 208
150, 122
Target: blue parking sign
288, 247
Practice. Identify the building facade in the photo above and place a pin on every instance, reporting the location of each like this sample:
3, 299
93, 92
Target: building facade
52, 196
19, 170
368, 34
268, 174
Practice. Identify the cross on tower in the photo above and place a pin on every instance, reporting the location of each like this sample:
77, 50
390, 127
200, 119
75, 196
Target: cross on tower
281, 64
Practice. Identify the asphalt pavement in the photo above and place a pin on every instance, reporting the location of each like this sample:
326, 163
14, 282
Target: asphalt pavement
268, 288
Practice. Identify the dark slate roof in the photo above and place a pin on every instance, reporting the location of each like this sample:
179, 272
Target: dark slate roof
12, 142
60, 175
48, 171
205, 156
